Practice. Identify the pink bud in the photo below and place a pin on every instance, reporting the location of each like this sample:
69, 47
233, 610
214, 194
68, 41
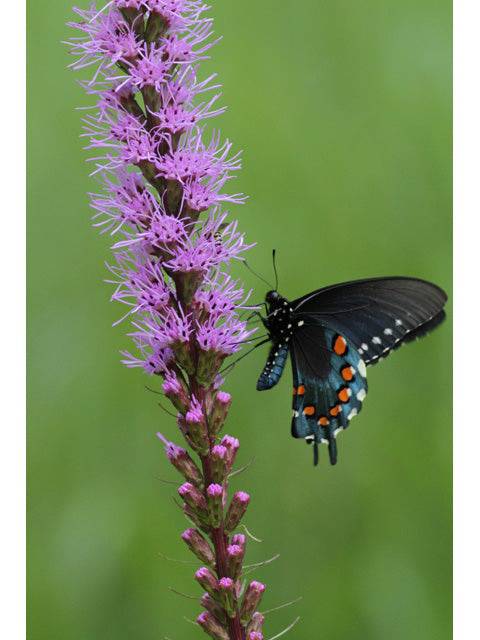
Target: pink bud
236, 510
219, 458
221, 405
192, 496
256, 622
212, 626
199, 546
215, 490
232, 445
226, 587
251, 600
239, 539
207, 580
215, 504
235, 555
223, 397
182, 461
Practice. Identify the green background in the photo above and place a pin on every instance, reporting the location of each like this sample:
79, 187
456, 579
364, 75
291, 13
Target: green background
343, 110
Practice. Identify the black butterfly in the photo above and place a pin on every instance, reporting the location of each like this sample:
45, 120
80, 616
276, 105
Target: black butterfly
332, 335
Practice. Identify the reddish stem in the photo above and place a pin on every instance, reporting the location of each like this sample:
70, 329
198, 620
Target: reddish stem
219, 541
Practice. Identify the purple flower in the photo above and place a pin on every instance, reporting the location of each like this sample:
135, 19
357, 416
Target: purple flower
164, 186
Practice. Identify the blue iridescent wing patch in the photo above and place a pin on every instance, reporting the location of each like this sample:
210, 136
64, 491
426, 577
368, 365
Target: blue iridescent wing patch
330, 385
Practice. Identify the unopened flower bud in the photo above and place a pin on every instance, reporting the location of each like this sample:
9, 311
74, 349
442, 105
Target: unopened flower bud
182, 461
256, 623
175, 391
211, 605
194, 429
193, 498
215, 504
207, 580
235, 555
236, 510
251, 600
226, 587
212, 626
218, 457
181, 349
199, 519
239, 539
221, 405
199, 546
232, 445
209, 361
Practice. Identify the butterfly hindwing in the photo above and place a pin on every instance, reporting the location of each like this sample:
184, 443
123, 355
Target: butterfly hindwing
329, 385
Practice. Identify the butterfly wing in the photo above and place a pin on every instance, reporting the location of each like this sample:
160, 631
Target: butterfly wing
376, 315
330, 385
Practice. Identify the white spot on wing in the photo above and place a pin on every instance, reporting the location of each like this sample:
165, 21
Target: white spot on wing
376, 340
362, 369
300, 323
352, 414
398, 322
387, 331
361, 395
364, 346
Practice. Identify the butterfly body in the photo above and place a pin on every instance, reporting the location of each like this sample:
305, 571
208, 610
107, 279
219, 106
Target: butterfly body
331, 336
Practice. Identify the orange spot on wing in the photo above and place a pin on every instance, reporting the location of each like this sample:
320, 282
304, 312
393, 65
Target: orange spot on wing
323, 421
340, 346
344, 394
309, 410
301, 390
348, 373
334, 411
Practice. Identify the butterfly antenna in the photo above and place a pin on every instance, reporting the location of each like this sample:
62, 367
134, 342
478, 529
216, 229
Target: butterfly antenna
256, 274
274, 253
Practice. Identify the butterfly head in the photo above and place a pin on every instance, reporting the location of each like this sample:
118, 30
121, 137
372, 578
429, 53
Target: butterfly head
279, 313
272, 297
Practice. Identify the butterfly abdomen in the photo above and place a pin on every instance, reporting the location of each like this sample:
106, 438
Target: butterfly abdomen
273, 368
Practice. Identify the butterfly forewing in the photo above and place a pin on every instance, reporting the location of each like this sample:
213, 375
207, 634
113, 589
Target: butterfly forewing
376, 315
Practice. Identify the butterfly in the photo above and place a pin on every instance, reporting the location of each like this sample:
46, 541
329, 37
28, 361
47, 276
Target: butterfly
333, 335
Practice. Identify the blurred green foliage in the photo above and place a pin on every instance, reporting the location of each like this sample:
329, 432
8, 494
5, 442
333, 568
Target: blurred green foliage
343, 110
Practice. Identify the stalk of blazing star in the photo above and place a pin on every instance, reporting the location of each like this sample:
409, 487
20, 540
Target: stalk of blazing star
162, 200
